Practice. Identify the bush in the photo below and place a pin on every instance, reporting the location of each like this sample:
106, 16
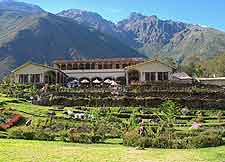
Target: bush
29, 134
84, 138
132, 138
181, 140
44, 136
21, 134
209, 138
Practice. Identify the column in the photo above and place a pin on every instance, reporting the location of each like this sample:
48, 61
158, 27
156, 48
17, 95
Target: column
29, 78
156, 76
56, 79
143, 76
127, 78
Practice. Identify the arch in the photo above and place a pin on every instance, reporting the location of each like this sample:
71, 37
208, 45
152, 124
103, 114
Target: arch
87, 66
133, 75
69, 67
63, 67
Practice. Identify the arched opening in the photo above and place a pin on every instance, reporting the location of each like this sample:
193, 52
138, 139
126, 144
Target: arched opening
133, 76
69, 67
87, 66
63, 67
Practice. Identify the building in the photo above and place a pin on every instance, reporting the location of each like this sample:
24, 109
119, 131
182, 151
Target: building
32, 73
182, 77
101, 69
219, 81
153, 70
127, 70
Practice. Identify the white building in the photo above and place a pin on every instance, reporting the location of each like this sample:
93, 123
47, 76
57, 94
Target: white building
126, 70
31, 73
153, 70
100, 69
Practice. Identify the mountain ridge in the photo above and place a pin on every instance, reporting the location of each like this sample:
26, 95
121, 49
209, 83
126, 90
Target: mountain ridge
151, 36
43, 37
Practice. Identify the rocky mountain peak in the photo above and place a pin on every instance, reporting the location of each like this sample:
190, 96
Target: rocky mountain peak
77, 13
136, 15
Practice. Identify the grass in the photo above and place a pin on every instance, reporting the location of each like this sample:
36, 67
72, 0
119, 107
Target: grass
111, 151
39, 151
25, 106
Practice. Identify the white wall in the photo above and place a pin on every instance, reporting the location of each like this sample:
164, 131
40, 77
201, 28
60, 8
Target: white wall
103, 73
31, 69
151, 67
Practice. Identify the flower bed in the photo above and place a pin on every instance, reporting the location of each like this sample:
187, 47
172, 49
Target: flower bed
12, 121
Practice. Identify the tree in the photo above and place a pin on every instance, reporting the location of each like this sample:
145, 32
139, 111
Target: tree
169, 111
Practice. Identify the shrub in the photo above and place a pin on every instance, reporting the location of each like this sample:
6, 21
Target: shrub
21, 134
208, 138
131, 138
44, 136
83, 137
29, 134
184, 140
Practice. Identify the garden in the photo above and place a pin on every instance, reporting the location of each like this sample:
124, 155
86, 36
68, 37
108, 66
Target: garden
141, 119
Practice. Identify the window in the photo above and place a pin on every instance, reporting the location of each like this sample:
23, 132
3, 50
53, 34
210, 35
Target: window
63, 67
23, 78
75, 67
87, 66
35, 78
93, 66
81, 66
69, 67
124, 65
147, 76
153, 77
105, 66
117, 66
166, 76
160, 76
110, 66
99, 66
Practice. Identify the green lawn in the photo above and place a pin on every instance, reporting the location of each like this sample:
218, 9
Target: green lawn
37, 151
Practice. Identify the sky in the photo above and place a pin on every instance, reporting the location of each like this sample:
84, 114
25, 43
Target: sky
209, 13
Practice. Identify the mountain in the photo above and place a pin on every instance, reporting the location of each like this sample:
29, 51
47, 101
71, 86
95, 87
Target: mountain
91, 19
196, 40
42, 37
151, 36
19, 6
